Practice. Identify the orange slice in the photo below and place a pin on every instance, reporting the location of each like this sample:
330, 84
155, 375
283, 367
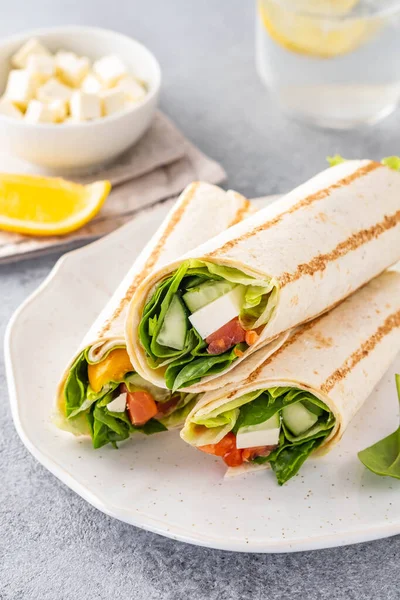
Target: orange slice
46, 206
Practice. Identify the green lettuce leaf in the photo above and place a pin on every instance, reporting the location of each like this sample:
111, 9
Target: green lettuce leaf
393, 162
335, 160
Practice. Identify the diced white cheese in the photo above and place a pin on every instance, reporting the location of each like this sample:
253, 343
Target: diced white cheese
21, 87
85, 107
109, 69
72, 69
91, 84
38, 112
41, 65
118, 404
8, 109
263, 434
30, 48
59, 109
53, 90
213, 316
113, 101
132, 89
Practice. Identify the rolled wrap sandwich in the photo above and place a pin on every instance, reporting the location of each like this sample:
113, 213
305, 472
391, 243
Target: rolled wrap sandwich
277, 410
100, 394
201, 315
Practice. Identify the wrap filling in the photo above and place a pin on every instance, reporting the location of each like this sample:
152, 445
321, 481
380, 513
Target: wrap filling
202, 318
109, 401
281, 426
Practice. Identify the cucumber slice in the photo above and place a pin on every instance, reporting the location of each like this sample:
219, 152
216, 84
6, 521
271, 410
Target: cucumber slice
297, 418
201, 295
175, 325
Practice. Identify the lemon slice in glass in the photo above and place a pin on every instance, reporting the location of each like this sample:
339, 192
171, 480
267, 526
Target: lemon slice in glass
46, 206
315, 27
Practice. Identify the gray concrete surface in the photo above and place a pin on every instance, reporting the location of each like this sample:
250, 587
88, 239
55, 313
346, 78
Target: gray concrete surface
52, 544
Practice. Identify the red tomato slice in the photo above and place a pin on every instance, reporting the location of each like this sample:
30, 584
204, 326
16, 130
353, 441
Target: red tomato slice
227, 444
227, 336
141, 407
233, 458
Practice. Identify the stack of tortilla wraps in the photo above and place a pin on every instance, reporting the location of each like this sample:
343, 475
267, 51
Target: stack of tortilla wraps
296, 260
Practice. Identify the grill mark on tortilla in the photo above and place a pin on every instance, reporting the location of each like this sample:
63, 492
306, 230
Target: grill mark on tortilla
151, 261
390, 323
355, 241
320, 195
254, 374
241, 212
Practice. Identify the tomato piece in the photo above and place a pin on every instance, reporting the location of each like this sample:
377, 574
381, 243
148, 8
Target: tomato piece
225, 337
227, 444
233, 458
250, 453
141, 407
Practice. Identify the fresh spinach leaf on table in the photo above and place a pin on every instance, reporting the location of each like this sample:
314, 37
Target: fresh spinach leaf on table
383, 457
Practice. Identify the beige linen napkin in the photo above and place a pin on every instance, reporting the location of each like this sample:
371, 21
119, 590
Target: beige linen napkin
158, 167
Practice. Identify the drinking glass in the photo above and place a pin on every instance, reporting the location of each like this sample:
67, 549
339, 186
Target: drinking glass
333, 63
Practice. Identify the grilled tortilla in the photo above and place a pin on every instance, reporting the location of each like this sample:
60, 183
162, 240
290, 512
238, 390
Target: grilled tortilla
291, 262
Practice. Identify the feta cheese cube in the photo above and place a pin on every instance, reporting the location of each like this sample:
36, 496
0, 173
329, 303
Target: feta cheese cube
132, 89
40, 65
91, 84
118, 404
71, 68
9, 109
216, 314
109, 69
21, 87
59, 109
38, 112
30, 48
113, 101
53, 90
85, 107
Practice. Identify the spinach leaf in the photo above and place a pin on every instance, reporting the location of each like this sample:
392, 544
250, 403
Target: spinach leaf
195, 369
108, 427
287, 459
287, 462
383, 457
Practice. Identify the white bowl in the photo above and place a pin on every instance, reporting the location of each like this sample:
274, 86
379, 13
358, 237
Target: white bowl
81, 146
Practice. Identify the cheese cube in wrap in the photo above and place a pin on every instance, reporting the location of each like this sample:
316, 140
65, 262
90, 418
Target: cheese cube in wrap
313, 384
291, 261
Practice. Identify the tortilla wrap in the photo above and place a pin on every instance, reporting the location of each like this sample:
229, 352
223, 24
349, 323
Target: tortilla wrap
187, 225
338, 357
312, 248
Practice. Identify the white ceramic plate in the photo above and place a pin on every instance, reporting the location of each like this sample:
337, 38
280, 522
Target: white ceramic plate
161, 484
